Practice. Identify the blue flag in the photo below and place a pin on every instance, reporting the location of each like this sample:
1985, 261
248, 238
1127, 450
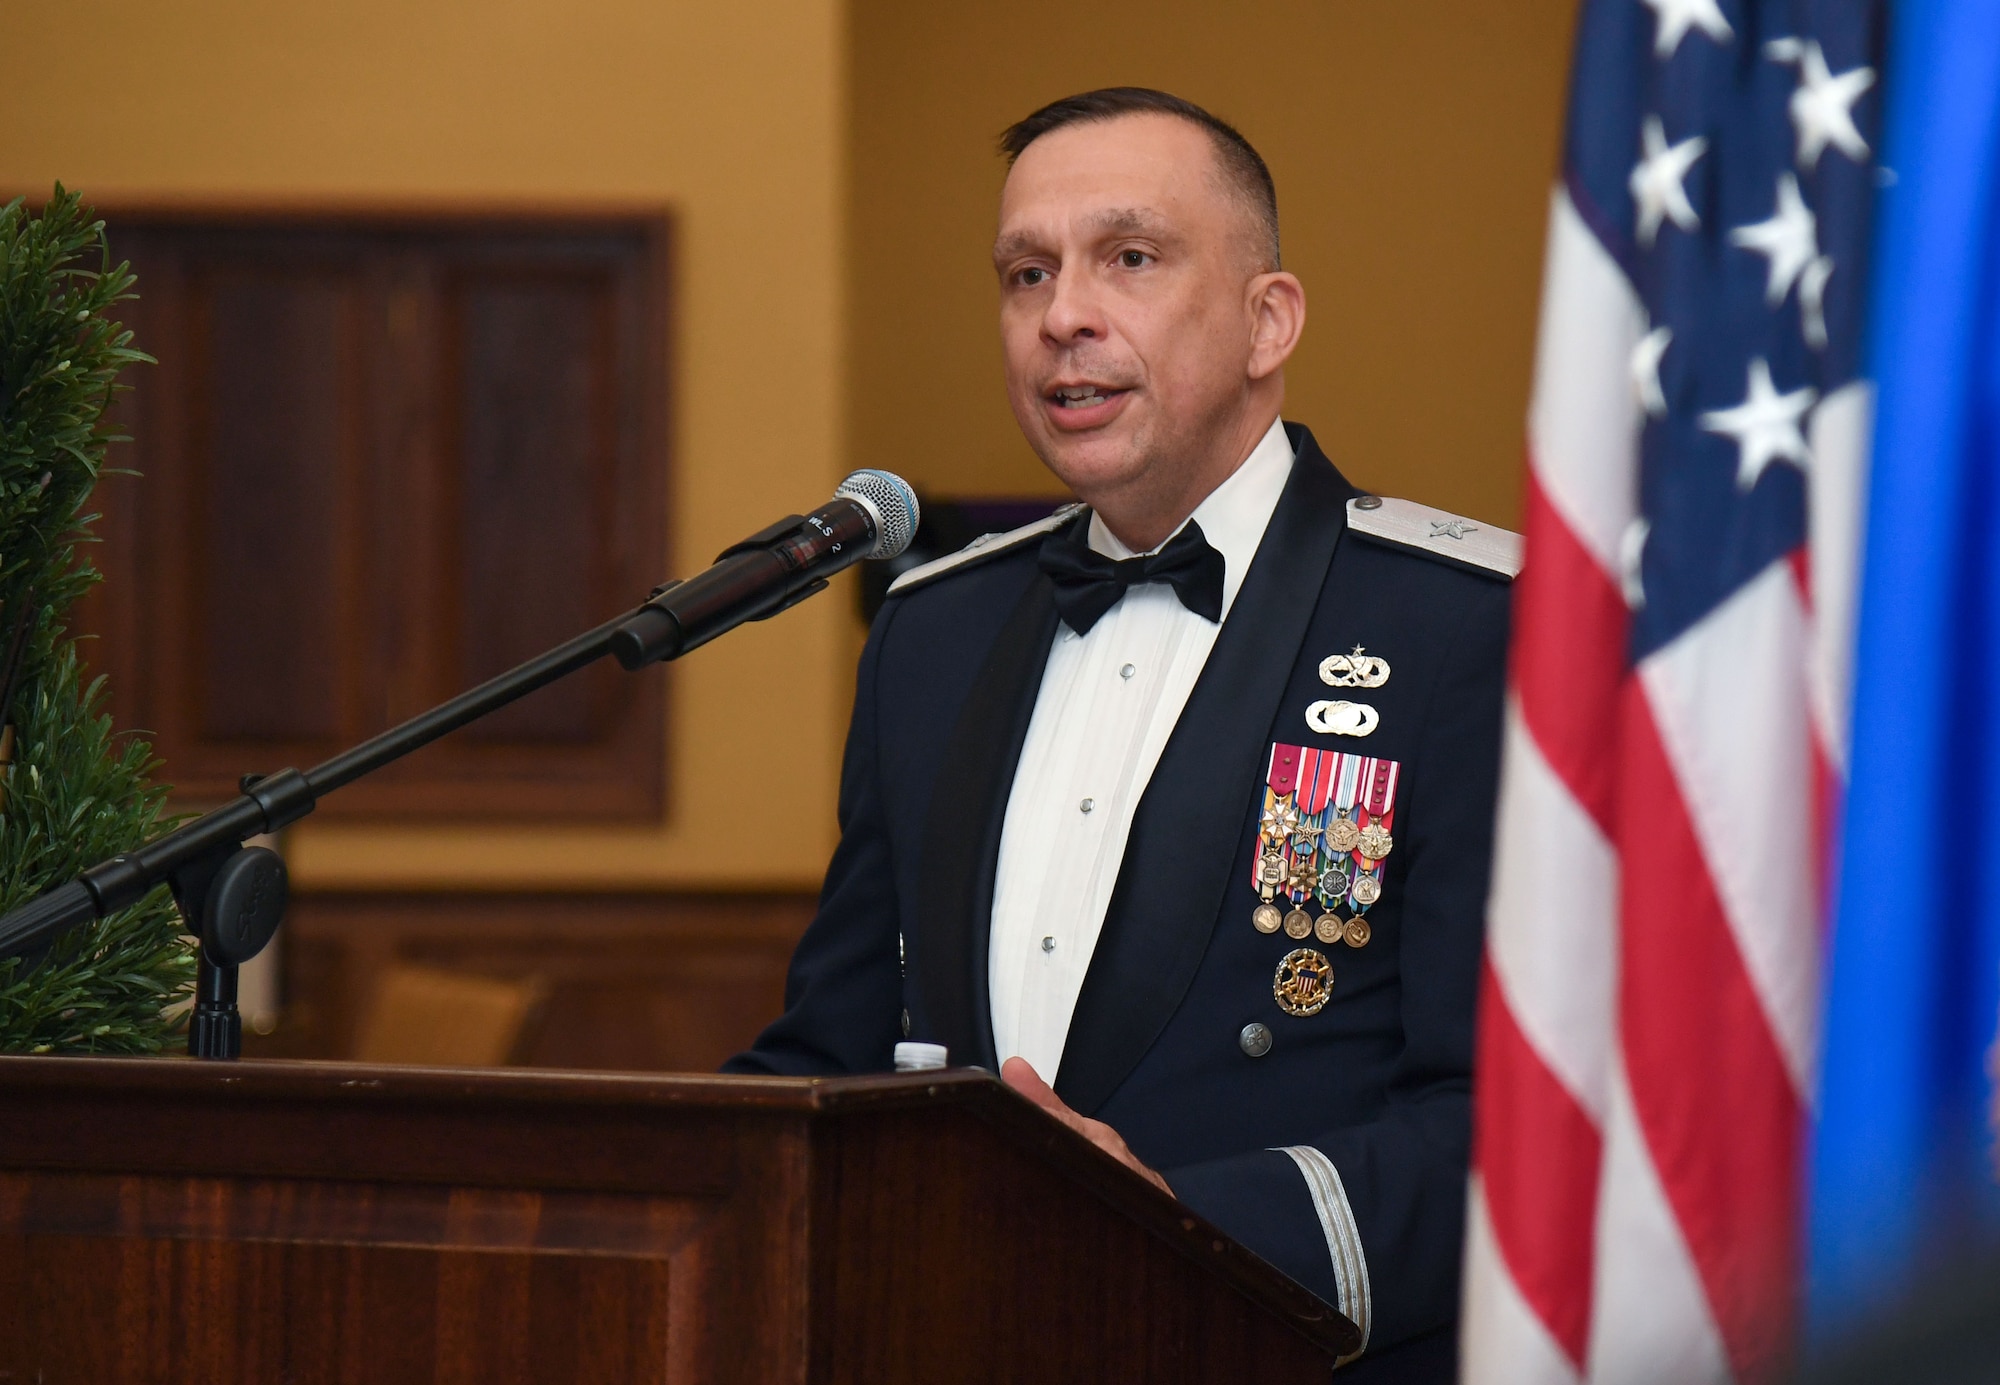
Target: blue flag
1904, 1152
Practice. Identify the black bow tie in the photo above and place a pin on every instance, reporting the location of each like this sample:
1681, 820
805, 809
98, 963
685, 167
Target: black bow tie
1088, 584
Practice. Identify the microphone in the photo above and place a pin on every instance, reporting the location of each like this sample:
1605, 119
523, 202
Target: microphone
873, 514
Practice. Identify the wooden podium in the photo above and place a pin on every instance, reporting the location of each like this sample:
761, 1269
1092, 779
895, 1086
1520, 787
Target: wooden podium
167, 1220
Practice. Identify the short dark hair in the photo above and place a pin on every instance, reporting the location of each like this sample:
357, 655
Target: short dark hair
1241, 164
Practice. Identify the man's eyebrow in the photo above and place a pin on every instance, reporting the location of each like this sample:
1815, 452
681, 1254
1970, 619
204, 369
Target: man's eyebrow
1126, 220
1014, 243
1111, 222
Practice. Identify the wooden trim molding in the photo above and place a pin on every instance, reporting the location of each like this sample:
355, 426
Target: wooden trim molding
661, 981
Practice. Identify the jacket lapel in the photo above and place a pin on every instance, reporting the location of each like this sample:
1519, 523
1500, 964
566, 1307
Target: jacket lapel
961, 847
1173, 880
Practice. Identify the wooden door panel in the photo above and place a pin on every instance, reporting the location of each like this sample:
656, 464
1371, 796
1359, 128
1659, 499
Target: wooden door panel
536, 355
384, 459
271, 443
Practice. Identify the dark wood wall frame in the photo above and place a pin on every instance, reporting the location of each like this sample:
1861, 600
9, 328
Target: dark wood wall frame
387, 454
663, 981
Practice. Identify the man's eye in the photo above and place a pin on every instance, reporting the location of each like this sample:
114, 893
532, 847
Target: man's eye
1133, 259
1031, 277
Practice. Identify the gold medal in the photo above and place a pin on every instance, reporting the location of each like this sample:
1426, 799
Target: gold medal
1375, 841
1298, 924
1328, 928
1305, 875
1357, 932
1266, 919
1342, 836
1367, 889
1271, 870
1303, 983
1280, 820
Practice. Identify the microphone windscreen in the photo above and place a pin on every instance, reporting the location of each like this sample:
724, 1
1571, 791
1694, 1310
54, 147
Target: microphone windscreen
894, 504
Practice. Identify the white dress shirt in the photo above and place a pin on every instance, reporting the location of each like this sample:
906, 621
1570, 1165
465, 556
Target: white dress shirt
1108, 702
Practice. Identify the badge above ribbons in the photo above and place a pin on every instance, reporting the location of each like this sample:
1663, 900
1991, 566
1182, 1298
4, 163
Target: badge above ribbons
1342, 718
1324, 834
1356, 670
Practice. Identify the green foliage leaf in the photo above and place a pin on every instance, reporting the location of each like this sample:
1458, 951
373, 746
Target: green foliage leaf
78, 792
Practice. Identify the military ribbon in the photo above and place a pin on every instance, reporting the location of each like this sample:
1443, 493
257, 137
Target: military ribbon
1375, 810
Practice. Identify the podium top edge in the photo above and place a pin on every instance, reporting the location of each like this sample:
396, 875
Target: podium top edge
268, 1079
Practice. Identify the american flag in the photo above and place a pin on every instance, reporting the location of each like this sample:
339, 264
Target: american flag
1676, 727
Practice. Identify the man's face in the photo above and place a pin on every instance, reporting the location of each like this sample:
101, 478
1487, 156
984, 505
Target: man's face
1124, 272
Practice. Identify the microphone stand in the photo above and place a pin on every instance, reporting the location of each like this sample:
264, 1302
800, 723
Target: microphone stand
232, 897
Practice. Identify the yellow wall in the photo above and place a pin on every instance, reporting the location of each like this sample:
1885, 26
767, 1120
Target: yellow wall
728, 113
830, 165
1412, 143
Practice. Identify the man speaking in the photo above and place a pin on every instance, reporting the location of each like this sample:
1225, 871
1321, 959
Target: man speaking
1177, 809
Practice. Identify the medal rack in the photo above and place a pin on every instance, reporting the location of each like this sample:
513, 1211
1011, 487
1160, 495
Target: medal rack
1322, 837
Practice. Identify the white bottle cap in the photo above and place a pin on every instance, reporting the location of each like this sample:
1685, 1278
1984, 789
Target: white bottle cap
920, 1057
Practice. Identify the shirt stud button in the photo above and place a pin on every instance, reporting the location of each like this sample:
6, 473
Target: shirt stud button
1086, 805
1048, 944
1255, 1040
1128, 671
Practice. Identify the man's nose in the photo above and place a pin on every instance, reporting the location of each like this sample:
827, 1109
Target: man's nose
1075, 311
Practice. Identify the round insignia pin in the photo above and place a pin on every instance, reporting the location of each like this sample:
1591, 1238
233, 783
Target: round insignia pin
1342, 836
1357, 932
1303, 983
1367, 889
1298, 924
1328, 928
1266, 919
1375, 841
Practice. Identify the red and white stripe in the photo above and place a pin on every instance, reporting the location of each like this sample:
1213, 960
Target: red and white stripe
1647, 1011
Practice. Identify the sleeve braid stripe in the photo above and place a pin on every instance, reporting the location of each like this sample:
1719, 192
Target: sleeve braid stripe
1343, 1238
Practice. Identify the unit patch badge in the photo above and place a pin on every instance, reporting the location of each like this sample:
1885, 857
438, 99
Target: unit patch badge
1325, 831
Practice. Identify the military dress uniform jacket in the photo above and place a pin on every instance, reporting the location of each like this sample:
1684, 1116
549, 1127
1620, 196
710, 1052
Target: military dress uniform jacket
1338, 1152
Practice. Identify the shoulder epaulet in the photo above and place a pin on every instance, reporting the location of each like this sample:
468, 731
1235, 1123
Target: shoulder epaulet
984, 547
1447, 537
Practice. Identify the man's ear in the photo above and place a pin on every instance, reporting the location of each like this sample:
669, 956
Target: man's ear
1277, 304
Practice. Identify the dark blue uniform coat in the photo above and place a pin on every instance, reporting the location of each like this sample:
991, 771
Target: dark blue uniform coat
1379, 1080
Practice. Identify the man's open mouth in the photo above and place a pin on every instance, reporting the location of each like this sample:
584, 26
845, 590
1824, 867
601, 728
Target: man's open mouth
1084, 396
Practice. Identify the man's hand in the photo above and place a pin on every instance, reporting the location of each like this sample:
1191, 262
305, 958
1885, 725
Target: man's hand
1020, 1074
